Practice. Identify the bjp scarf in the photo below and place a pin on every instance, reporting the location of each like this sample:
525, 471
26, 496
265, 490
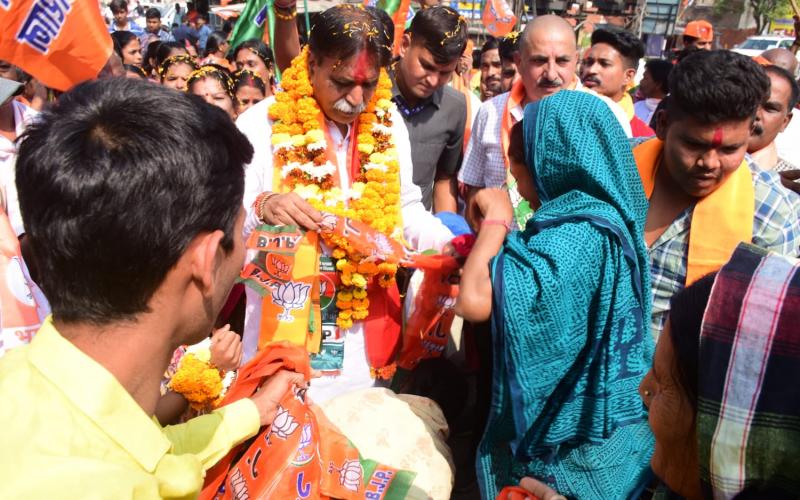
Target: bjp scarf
301, 454
720, 221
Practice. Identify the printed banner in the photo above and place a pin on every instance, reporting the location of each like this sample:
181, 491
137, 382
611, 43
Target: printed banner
60, 42
22, 305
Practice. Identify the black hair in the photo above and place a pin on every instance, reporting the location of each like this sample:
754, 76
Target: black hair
173, 60
121, 40
388, 24
714, 86
516, 143
686, 310
118, 5
214, 41
794, 89
509, 46
164, 50
626, 43
259, 48
135, 69
216, 72
149, 61
491, 43
115, 180
247, 78
227, 27
686, 52
343, 30
659, 70
203, 16
442, 31
152, 13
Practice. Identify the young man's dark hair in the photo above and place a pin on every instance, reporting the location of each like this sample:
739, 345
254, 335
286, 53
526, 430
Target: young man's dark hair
626, 43
118, 6
344, 30
111, 196
714, 86
782, 73
441, 30
659, 70
491, 43
508, 46
152, 13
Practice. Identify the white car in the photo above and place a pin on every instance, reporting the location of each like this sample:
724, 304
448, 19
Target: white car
755, 45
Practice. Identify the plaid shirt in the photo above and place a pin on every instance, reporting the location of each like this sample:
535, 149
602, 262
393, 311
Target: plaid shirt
484, 162
776, 227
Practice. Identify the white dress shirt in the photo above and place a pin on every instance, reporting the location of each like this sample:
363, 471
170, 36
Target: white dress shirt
421, 229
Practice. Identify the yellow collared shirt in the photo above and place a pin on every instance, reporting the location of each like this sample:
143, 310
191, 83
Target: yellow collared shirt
70, 430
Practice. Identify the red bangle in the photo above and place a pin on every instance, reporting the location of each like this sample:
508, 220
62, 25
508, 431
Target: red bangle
497, 222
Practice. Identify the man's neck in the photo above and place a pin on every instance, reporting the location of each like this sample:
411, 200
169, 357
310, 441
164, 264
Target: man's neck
121, 26
112, 346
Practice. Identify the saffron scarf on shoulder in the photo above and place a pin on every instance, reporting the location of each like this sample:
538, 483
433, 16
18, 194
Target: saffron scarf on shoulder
720, 221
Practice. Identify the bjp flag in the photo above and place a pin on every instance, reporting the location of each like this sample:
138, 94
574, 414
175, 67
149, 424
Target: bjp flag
60, 42
498, 18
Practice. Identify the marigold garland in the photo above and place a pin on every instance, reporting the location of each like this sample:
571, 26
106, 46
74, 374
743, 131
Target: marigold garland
299, 148
198, 381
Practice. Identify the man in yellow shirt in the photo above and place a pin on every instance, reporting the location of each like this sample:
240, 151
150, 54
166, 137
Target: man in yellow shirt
131, 195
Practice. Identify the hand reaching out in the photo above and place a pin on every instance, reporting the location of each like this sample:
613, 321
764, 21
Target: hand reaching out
272, 392
489, 203
226, 349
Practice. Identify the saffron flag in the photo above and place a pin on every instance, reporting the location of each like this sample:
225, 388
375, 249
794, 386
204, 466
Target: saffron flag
498, 18
60, 42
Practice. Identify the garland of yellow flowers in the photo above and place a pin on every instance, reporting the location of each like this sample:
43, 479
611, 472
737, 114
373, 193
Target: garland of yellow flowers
299, 148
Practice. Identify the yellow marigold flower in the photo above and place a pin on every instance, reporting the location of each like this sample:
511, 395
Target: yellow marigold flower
376, 158
365, 148
359, 280
359, 293
197, 381
338, 253
280, 138
315, 135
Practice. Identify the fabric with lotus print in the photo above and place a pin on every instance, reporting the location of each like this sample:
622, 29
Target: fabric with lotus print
301, 454
290, 296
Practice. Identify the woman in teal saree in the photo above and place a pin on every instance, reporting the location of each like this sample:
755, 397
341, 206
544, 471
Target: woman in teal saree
569, 298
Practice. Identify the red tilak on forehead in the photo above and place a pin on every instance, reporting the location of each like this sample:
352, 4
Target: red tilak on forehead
360, 67
716, 141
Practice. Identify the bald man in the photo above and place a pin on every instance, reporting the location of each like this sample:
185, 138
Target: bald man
546, 63
783, 58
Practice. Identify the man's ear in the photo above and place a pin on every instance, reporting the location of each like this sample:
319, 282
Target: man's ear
662, 124
630, 76
405, 43
205, 250
312, 64
787, 120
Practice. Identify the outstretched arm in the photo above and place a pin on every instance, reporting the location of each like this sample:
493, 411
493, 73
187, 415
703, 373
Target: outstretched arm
287, 41
494, 214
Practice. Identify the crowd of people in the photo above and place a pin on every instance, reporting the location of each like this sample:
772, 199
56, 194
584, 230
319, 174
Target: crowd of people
618, 314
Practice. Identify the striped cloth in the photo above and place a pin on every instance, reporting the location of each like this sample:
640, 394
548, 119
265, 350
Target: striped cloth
748, 423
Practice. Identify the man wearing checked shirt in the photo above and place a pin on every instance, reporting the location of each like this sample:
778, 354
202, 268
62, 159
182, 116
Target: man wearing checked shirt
705, 195
546, 64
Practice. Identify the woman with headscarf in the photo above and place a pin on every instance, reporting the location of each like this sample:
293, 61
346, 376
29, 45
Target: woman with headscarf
569, 299
723, 397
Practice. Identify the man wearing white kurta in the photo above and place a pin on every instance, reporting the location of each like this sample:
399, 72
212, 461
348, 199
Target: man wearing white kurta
421, 230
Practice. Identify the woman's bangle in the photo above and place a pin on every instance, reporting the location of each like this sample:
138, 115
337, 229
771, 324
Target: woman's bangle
497, 222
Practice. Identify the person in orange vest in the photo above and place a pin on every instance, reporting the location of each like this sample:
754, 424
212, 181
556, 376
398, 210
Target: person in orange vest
698, 34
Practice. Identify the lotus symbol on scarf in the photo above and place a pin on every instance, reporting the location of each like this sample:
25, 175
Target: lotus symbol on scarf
290, 296
284, 424
350, 474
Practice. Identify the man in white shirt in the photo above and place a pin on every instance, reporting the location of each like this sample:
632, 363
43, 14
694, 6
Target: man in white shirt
14, 117
348, 46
